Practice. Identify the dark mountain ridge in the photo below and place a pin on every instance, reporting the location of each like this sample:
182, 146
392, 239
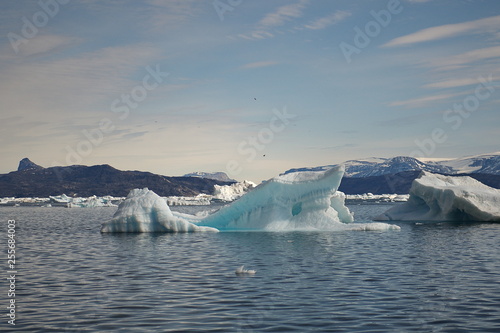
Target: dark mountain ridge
100, 180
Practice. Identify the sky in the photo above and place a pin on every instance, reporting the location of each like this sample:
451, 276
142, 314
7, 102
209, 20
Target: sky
248, 87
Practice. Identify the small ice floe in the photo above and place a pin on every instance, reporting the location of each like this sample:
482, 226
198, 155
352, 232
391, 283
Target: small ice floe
242, 271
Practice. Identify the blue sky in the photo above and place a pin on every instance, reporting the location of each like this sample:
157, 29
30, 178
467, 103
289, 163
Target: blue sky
249, 87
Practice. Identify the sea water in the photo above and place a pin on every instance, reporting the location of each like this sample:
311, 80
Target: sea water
428, 277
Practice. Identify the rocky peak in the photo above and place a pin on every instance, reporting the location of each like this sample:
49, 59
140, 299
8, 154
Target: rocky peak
26, 164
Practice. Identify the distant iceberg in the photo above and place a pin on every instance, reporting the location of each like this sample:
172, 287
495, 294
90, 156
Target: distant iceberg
222, 193
444, 198
233, 191
91, 202
305, 201
201, 199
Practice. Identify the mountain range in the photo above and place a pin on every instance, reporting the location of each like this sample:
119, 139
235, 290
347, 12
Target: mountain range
32, 180
395, 175
371, 175
376, 166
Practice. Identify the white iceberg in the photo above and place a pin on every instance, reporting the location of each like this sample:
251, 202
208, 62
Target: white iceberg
145, 211
378, 197
60, 198
91, 202
199, 200
233, 191
305, 201
6, 200
444, 198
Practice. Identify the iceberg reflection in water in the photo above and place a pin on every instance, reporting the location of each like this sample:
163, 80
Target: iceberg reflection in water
299, 201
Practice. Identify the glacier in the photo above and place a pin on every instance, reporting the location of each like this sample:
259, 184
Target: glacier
435, 197
300, 201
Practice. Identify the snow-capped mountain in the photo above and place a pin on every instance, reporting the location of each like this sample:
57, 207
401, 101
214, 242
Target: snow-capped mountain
486, 163
375, 166
220, 176
386, 166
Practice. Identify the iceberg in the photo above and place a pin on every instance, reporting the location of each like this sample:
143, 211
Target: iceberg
60, 199
91, 202
145, 211
199, 200
378, 197
233, 191
300, 201
305, 200
436, 197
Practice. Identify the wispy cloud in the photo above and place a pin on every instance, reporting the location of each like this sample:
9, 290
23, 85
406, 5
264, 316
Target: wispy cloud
277, 18
71, 84
327, 21
486, 25
46, 43
173, 13
258, 64
283, 14
454, 83
467, 57
421, 101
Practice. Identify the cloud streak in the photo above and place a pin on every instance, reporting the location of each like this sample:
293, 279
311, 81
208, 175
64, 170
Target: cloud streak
454, 83
71, 85
467, 57
421, 101
277, 18
485, 25
327, 21
283, 14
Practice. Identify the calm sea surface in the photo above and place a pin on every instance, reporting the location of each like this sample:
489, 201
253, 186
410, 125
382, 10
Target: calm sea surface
438, 277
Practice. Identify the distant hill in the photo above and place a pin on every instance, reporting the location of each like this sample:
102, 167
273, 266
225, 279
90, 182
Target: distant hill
78, 180
221, 176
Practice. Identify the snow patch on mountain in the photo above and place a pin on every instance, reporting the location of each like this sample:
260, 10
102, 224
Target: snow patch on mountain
485, 163
375, 166
220, 176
